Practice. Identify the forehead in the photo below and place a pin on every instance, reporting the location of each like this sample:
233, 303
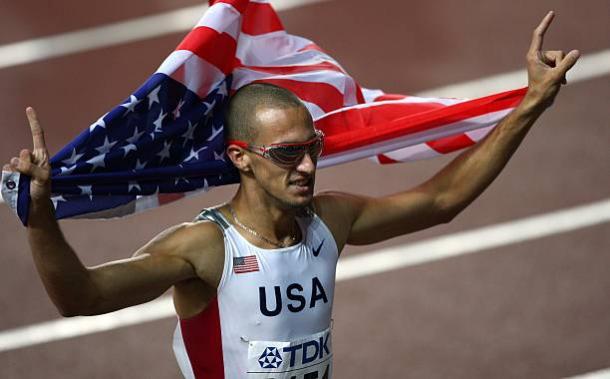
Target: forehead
289, 124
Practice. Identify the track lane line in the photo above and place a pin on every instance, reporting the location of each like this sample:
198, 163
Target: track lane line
358, 266
112, 34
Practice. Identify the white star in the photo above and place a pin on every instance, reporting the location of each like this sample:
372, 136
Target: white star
72, 160
100, 122
159, 121
176, 111
67, 170
153, 97
164, 153
128, 148
209, 106
222, 90
131, 104
136, 136
215, 133
97, 161
188, 135
219, 157
86, 190
56, 200
139, 165
181, 178
194, 154
105, 148
134, 185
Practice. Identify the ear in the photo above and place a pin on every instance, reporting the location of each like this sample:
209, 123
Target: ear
239, 159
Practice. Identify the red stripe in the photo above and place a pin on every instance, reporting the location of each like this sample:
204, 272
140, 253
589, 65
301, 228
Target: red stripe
384, 159
166, 198
287, 70
240, 5
203, 342
216, 48
260, 19
358, 118
312, 46
449, 144
389, 96
368, 133
325, 96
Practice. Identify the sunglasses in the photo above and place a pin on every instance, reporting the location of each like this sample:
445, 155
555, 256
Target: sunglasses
286, 154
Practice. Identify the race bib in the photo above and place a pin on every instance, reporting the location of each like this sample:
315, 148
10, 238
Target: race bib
304, 358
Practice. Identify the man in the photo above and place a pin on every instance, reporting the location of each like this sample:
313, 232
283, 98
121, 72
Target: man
254, 278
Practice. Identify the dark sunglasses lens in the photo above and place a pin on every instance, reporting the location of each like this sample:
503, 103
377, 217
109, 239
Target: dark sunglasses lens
287, 155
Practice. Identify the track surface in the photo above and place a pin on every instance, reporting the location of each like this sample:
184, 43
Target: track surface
532, 310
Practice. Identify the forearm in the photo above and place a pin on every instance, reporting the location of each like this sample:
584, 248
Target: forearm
65, 278
468, 175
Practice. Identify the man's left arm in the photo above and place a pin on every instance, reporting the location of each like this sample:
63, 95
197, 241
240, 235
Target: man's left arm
458, 184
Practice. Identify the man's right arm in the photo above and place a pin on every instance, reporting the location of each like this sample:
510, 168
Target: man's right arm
79, 290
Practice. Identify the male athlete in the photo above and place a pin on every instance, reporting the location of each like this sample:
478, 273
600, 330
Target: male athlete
254, 278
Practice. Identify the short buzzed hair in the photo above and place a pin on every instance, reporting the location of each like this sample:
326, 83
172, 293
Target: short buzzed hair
240, 121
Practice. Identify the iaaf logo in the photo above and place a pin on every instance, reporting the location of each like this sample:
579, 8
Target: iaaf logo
307, 352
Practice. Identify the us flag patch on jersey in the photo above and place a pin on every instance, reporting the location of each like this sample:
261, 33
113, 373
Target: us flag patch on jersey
245, 264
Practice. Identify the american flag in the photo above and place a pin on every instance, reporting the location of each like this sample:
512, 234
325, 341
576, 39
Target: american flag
245, 264
165, 141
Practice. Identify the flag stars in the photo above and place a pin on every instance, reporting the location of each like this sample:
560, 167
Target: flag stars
181, 178
219, 157
153, 97
100, 122
86, 190
140, 165
131, 104
215, 133
73, 158
56, 200
176, 111
128, 148
106, 147
97, 161
133, 185
164, 153
159, 121
65, 170
135, 137
194, 154
188, 135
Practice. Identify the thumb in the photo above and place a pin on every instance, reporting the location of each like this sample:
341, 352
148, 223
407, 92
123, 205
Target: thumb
568, 62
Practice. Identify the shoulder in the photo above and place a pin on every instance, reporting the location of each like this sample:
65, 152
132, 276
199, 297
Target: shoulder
338, 211
185, 239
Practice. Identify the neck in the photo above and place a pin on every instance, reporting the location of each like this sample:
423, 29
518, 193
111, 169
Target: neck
265, 216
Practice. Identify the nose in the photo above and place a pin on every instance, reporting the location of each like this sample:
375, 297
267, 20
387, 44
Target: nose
307, 164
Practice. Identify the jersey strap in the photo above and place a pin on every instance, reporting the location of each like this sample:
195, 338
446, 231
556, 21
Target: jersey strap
213, 215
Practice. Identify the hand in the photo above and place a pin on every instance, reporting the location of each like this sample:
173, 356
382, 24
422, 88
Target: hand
547, 69
34, 163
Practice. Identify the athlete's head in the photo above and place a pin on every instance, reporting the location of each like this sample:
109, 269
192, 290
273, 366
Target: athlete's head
272, 142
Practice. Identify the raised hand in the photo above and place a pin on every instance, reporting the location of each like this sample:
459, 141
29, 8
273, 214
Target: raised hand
34, 163
547, 69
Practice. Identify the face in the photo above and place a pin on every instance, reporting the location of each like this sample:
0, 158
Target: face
285, 186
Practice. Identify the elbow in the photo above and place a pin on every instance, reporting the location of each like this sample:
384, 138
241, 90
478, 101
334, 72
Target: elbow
447, 210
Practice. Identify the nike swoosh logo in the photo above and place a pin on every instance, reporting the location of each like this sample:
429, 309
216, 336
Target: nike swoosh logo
316, 252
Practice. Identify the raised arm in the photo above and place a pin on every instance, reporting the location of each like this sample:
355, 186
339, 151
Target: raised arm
452, 189
79, 290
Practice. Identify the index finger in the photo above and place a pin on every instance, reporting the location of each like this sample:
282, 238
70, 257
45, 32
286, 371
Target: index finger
37, 132
538, 36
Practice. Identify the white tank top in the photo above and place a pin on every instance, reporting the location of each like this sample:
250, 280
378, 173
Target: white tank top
271, 317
